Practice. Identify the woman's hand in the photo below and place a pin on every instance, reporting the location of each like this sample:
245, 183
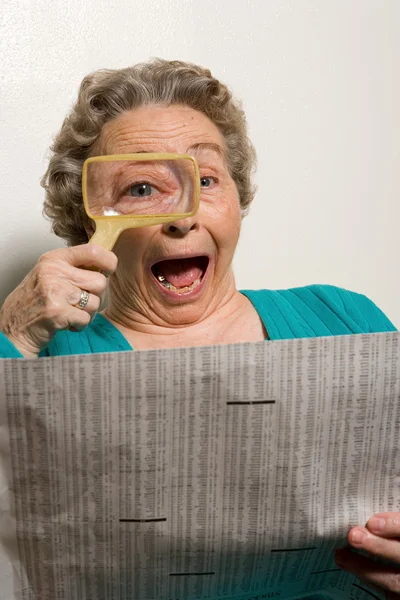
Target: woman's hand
46, 300
381, 539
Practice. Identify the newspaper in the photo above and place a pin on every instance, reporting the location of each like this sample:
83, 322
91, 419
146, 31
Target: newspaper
211, 472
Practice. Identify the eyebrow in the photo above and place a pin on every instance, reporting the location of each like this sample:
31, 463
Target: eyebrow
206, 146
194, 148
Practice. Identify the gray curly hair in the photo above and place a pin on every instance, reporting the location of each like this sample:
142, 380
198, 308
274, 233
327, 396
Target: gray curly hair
105, 94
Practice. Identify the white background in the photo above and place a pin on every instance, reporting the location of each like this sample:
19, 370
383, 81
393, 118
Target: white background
320, 84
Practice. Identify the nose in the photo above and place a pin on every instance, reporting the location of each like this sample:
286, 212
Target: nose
181, 227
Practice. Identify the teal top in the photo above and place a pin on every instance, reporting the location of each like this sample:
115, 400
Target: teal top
311, 311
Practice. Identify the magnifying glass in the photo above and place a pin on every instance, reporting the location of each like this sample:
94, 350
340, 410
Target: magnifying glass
124, 191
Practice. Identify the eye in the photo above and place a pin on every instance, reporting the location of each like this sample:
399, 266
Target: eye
139, 190
206, 182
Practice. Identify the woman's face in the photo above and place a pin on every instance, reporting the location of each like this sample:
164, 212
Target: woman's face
177, 273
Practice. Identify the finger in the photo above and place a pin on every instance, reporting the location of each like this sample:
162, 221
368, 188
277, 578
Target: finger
93, 303
78, 319
369, 570
362, 539
95, 283
92, 255
385, 524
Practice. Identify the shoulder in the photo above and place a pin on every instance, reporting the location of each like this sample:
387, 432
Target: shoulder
345, 303
322, 310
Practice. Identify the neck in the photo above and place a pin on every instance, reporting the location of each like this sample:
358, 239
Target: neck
233, 319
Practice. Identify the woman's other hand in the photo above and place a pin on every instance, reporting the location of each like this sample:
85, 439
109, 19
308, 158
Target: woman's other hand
381, 539
46, 300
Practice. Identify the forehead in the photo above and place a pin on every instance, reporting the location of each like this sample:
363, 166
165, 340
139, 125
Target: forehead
157, 129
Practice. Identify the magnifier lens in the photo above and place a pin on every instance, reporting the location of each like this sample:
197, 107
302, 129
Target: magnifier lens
139, 187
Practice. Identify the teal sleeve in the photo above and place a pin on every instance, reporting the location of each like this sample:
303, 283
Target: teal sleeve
362, 311
7, 349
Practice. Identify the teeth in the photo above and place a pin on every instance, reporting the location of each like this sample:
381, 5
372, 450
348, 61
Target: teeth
160, 277
183, 290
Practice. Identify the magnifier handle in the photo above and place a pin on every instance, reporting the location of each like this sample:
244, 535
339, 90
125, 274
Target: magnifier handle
103, 236
106, 234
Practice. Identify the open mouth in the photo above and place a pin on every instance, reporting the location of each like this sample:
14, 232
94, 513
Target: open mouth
181, 275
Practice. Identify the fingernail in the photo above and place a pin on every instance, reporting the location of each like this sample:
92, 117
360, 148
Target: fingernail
357, 536
377, 523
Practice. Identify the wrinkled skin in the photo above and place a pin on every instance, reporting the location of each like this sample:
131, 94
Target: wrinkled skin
44, 302
138, 306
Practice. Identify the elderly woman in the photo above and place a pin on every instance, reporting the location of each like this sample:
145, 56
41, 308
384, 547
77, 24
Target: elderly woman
172, 284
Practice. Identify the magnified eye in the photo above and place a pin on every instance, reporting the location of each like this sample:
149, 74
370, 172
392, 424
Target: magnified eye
140, 190
206, 182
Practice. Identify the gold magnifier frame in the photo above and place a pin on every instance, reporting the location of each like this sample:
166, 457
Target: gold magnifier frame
109, 228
